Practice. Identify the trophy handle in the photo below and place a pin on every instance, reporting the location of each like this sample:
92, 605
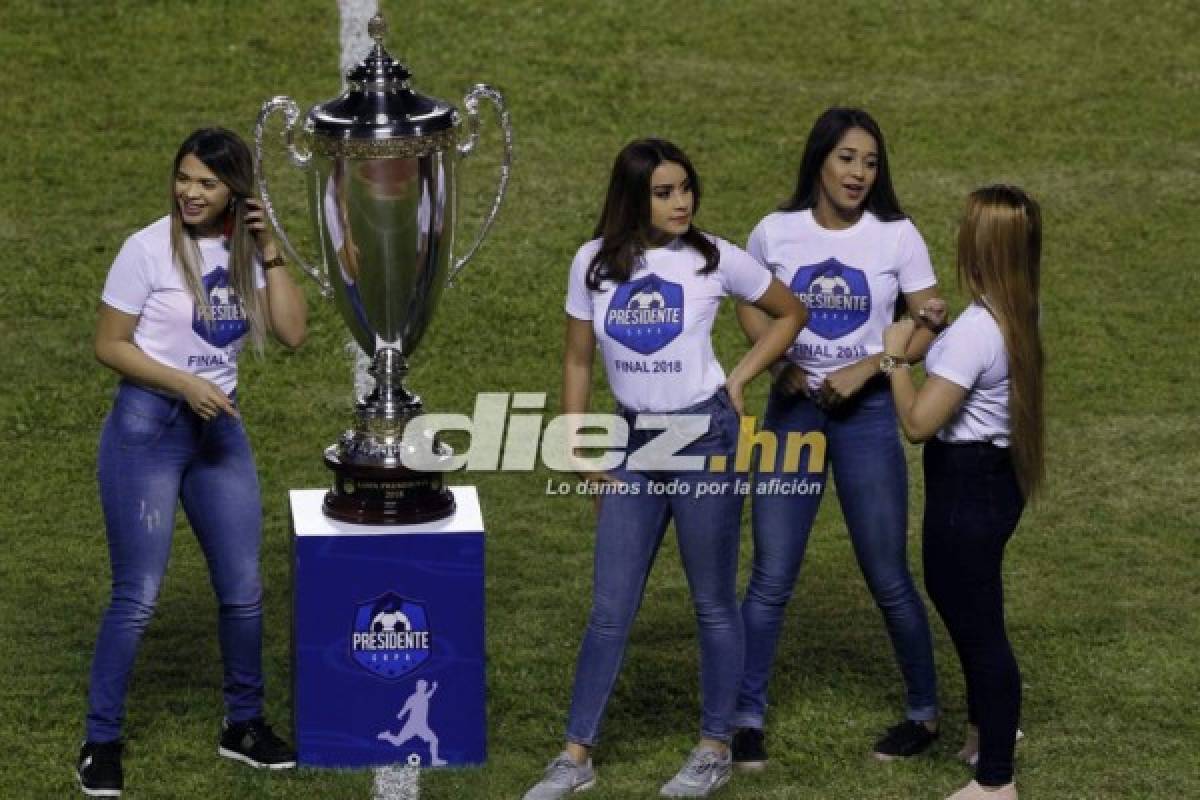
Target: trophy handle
471, 102
301, 160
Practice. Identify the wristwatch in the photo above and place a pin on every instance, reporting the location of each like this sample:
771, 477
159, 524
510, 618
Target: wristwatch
277, 261
889, 363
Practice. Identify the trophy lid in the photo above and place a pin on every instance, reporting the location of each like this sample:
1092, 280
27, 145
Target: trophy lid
378, 102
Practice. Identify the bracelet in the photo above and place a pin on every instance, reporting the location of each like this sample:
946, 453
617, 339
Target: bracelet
889, 363
277, 261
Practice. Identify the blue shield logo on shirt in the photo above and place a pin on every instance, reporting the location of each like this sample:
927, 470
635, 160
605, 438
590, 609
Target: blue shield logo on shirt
391, 636
645, 315
223, 321
838, 297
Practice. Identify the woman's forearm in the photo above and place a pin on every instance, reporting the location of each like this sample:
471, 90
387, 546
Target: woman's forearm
772, 325
904, 395
287, 310
919, 344
772, 342
753, 321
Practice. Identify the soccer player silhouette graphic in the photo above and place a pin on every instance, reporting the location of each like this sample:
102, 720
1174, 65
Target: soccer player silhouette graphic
416, 708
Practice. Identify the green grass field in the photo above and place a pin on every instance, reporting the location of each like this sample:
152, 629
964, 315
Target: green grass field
1091, 106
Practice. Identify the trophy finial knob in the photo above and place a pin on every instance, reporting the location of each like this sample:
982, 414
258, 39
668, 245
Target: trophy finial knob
377, 28
378, 69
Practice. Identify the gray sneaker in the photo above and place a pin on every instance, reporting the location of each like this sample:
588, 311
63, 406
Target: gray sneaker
563, 776
703, 773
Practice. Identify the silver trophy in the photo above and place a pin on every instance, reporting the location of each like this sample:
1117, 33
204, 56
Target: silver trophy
381, 162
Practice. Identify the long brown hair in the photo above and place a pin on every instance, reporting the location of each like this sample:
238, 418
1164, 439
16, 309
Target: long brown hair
226, 154
1000, 262
624, 227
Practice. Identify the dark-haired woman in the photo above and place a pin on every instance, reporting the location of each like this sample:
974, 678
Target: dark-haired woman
182, 297
845, 247
646, 291
980, 414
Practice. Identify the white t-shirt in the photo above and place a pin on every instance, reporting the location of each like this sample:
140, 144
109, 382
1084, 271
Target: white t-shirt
971, 353
654, 329
144, 281
849, 279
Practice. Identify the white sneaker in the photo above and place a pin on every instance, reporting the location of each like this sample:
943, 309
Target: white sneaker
973, 791
703, 773
563, 776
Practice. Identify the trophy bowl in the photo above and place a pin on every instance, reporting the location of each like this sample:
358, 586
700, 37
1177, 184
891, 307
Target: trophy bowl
381, 165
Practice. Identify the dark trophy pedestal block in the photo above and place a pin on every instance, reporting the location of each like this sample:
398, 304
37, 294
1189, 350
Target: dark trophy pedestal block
373, 495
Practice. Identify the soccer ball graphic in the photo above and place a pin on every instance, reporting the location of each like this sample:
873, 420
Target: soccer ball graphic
219, 296
390, 621
829, 284
647, 299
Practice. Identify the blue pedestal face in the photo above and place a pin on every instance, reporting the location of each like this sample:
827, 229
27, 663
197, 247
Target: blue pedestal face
388, 639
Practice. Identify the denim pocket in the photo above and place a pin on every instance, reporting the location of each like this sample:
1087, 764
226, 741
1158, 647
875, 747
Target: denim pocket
140, 417
721, 436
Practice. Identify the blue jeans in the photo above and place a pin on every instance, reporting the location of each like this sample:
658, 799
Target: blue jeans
871, 478
629, 531
155, 452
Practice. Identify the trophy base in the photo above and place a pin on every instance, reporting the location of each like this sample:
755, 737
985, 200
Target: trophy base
373, 495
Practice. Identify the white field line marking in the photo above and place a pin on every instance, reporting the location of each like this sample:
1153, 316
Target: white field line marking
355, 44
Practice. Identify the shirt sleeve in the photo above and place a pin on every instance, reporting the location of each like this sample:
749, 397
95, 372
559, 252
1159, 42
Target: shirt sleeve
128, 284
756, 246
741, 275
579, 300
914, 267
963, 355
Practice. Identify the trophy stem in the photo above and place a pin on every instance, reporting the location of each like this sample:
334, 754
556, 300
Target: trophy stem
390, 400
371, 484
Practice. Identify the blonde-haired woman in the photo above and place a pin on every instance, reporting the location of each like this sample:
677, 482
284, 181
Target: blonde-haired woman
182, 297
980, 412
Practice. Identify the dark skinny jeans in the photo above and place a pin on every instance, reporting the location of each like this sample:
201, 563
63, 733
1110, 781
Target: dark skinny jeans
972, 506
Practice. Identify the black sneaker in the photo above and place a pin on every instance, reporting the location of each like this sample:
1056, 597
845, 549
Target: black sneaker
99, 769
904, 740
749, 749
254, 743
